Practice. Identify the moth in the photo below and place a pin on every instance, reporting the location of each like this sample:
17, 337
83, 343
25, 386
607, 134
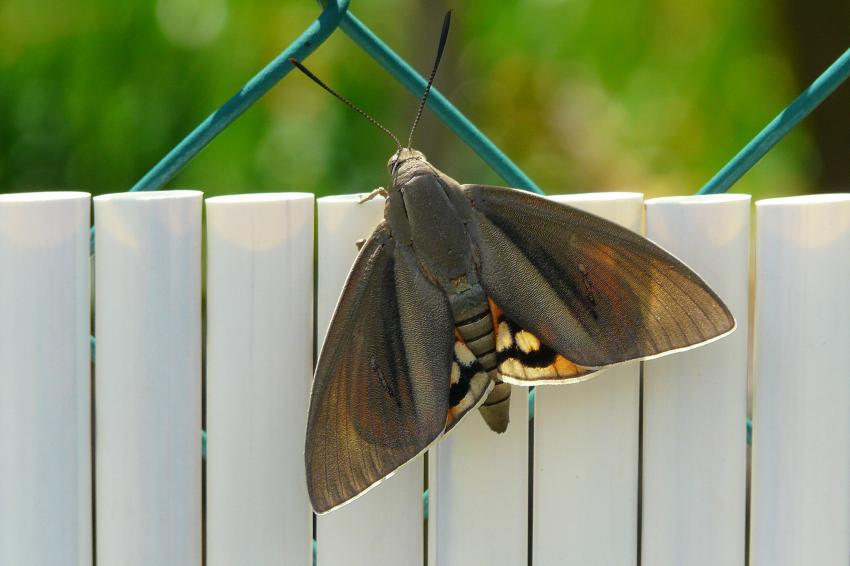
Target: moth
464, 290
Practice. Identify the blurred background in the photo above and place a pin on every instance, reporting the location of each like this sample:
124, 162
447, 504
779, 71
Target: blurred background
644, 95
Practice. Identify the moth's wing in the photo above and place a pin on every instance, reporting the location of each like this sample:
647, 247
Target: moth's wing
591, 290
470, 384
525, 360
381, 390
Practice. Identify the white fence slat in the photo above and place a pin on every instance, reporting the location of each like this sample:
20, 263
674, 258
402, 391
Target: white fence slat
259, 366
695, 403
148, 378
801, 420
478, 492
586, 447
45, 434
384, 526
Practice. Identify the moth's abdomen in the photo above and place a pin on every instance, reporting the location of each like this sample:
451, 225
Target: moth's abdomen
477, 332
476, 361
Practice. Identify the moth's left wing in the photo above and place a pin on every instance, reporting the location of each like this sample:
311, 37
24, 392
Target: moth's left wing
381, 390
589, 289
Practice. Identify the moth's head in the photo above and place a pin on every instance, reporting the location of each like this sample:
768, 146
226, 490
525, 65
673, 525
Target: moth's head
403, 159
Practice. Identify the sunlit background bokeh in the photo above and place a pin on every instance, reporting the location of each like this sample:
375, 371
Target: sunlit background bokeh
644, 95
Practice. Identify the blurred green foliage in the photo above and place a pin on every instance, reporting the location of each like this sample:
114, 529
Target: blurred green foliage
645, 95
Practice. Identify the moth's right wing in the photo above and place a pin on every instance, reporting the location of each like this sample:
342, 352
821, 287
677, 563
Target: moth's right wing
588, 289
381, 390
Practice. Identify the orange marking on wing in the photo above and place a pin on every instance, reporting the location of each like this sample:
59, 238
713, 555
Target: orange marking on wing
563, 366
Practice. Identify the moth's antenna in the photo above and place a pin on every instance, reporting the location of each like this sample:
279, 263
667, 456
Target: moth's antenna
347, 102
447, 19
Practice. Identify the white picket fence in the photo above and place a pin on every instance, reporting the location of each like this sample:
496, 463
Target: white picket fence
609, 485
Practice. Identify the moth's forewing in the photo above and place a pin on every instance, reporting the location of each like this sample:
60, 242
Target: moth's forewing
381, 390
591, 290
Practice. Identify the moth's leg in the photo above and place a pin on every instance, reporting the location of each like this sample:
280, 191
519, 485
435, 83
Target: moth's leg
359, 243
379, 191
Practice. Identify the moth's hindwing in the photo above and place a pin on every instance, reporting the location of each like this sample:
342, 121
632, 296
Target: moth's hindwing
469, 383
589, 289
525, 360
381, 390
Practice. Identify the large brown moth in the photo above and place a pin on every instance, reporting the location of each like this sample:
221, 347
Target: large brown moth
462, 291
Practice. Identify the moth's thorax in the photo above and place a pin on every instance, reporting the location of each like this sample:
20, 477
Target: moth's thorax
406, 164
402, 155
425, 211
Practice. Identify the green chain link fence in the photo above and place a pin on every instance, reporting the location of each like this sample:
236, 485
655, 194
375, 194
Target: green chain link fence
337, 15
